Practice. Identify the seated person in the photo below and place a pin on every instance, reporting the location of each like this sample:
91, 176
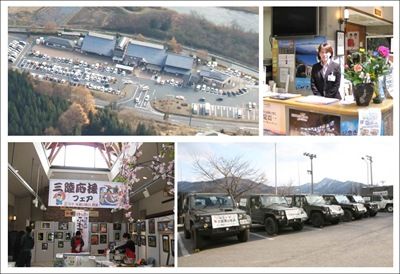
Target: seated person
128, 248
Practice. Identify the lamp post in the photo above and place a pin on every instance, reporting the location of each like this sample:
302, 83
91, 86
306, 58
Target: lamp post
366, 162
311, 172
369, 158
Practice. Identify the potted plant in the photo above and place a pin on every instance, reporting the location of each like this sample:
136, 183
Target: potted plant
363, 71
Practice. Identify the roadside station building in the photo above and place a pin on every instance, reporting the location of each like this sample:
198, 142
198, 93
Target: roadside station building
100, 44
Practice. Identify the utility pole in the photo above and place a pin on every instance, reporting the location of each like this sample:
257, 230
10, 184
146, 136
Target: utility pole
369, 158
276, 175
311, 172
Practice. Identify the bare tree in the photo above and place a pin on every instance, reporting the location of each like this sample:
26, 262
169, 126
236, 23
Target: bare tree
235, 176
287, 189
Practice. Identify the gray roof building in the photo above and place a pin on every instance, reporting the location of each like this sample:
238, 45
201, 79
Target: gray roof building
99, 44
178, 64
149, 53
60, 42
214, 75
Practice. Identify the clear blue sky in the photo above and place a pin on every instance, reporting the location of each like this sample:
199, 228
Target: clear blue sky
335, 160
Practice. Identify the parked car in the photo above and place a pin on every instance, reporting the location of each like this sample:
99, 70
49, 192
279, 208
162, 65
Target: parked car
372, 208
273, 212
317, 209
213, 215
383, 203
351, 210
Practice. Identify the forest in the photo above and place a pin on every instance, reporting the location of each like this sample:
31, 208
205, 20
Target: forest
44, 108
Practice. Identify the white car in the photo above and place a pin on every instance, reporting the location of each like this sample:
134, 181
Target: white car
146, 98
179, 97
137, 100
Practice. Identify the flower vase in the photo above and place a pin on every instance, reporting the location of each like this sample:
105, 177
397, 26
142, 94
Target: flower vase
377, 99
363, 93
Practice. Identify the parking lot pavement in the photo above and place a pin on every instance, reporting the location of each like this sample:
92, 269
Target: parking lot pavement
363, 243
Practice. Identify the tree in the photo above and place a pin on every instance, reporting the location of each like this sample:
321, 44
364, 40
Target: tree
50, 26
82, 96
235, 175
174, 46
71, 121
288, 189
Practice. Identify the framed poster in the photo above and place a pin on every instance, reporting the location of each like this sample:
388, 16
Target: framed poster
67, 236
40, 236
152, 226
152, 239
117, 236
166, 226
305, 123
94, 239
143, 240
339, 43
103, 228
103, 238
45, 246
353, 40
60, 244
117, 226
135, 239
50, 236
94, 228
165, 243
45, 225
132, 227
143, 226
62, 226
59, 235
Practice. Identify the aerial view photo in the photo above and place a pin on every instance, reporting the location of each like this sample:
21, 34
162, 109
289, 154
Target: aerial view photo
133, 70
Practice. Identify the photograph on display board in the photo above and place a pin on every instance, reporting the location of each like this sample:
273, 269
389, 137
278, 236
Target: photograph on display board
103, 238
166, 226
59, 235
143, 240
165, 242
60, 244
135, 239
45, 225
152, 239
152, 226
63, 226
117, 236
94, 239
67, 236
40, 236
103, 228
50, 236
143, 226
117, 226
307, 123
45, 246
94, 228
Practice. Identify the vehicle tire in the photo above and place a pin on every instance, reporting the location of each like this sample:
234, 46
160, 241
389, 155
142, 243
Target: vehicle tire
187, 233
243, 236
196, 239
317, 219
348, 216
389, 208
271, 226
298, 226
335, 221
358, 217
372, 214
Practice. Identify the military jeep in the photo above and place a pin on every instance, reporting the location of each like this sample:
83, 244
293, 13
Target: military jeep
317, 209
273, 212
372, 208
351, 210
211, 215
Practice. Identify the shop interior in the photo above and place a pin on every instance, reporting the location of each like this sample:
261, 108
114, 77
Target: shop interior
290, 51
134, 183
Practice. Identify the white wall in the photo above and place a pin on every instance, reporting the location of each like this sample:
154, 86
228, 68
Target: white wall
387, 12
153, 204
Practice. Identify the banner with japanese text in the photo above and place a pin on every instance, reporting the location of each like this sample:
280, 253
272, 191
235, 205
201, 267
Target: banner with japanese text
81, 221
84, 193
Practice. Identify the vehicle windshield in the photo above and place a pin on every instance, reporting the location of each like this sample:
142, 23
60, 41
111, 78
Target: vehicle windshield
202, 201
342, 199
268, 200
358, 199
314, 199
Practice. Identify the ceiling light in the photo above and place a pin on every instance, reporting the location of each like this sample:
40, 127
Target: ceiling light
146, 193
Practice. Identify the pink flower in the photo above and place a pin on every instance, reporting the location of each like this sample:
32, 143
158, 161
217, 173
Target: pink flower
357, 68
128, 214
383, 51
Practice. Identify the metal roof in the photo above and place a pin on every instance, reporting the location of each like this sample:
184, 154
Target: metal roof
146, 44
150, 55
100, 35
179, 61
98, 45
60, 41
215, 74
177, 70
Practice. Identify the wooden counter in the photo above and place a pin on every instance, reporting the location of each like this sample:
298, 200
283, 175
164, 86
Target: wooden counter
289, 117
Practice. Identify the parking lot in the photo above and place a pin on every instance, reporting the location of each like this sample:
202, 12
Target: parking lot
364, 243
99, 74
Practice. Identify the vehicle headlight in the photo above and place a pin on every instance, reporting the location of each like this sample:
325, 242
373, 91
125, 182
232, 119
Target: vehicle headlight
355, 208
205, 219
326, 210
242, 216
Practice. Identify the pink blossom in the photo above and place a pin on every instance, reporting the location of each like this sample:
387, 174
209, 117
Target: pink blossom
383, 51
358, 68
128, 214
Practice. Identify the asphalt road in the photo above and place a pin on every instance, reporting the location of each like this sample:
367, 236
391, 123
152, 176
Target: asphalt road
363, 243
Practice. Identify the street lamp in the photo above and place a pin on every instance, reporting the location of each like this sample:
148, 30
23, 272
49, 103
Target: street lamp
366, 162
311, 172
369, 158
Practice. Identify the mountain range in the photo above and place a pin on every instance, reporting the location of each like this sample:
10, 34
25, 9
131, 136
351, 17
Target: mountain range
325, 186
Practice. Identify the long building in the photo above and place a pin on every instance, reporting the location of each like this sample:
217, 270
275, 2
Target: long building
152, 55
178, 64
100, 44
